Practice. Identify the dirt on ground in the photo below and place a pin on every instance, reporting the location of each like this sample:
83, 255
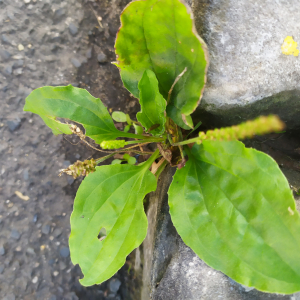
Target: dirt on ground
50, 42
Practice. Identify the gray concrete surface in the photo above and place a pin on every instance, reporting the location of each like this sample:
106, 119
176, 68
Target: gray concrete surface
48, 42
248, 74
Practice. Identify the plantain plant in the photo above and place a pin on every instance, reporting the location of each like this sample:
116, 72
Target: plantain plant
230, 204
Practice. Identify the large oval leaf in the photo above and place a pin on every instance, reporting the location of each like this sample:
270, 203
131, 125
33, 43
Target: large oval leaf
234, 208
152, 103
110, 199
159, 35
74, 104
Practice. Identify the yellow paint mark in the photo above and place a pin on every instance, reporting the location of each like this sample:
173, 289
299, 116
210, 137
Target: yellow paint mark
289, 46
291, 211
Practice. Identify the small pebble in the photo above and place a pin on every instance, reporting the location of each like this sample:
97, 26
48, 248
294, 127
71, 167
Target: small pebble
102, 58
88, 53
42, 247
19, 249
35, 218
59, 13
62, 265
15, 234
46, 229
30, 251
8, 70
25, 175
13, 124
51, 262
2, 251
18, 71
55, 273
31, 67
70, 180
20, 47
76, 63
10, 297
64, 252
35, 279
27, 1
57, 232
114, 285
73, 29
5, 39
5, 54
19, 63
2, 269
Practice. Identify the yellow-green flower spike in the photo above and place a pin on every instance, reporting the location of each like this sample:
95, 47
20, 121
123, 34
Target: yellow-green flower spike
261, 125
81, 168
115, 144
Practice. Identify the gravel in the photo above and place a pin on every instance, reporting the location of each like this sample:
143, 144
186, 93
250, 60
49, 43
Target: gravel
15, 234
102, 58
2, 251
64, 252
31, 156
73, 29
76, 63
46, 229
13, 124
114, 285
5, 55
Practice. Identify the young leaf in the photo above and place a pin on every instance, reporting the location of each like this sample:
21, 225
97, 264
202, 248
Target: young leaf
116, 161
127, 128
160, 36
195, 128
119, 116
234, 208
110, 198
74, 104
152, 103
132, 160
138, 129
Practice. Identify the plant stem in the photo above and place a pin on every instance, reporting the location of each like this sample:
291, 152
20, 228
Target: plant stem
124, 150
160, 169
100, 160
134, 136
152, 140
190, 141
150, 161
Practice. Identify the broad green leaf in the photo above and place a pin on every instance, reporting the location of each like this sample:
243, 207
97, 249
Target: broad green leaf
234, 208
152, 103
110, 198
119, 116
74, 104
56, 126
160, 36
